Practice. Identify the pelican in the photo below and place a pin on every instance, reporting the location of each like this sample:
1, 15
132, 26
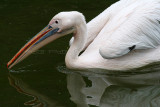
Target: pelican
124, 36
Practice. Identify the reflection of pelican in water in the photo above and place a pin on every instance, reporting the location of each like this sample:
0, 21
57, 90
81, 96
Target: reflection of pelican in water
39, 100
102, 95
124, 36
101, 90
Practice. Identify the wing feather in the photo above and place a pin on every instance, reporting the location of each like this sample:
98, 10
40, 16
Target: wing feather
136, 24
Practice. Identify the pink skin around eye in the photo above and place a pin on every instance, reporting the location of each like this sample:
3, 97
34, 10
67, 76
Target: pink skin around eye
51, 22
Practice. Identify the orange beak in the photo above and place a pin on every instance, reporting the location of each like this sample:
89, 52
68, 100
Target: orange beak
44, 37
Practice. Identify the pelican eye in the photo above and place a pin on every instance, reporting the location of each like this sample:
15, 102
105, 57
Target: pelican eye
56, 22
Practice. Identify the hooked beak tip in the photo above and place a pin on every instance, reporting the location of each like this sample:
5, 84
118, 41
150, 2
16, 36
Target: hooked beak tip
34, 44
8, 66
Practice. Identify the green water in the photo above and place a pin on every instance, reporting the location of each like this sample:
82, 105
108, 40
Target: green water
41, 80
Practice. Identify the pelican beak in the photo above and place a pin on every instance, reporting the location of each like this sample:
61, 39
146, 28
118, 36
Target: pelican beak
44, 37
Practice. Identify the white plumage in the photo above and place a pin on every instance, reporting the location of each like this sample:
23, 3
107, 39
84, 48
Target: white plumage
125, 24
136, 24
124, 36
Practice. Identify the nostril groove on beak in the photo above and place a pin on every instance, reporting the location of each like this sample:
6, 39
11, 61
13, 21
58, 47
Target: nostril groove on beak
49, 27
50, 33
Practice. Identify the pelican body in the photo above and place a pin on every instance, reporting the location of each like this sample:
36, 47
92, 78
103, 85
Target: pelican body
124, 36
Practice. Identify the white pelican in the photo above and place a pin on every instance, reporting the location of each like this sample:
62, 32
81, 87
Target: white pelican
123, 37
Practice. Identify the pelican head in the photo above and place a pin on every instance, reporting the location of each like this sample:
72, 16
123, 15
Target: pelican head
60, 25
